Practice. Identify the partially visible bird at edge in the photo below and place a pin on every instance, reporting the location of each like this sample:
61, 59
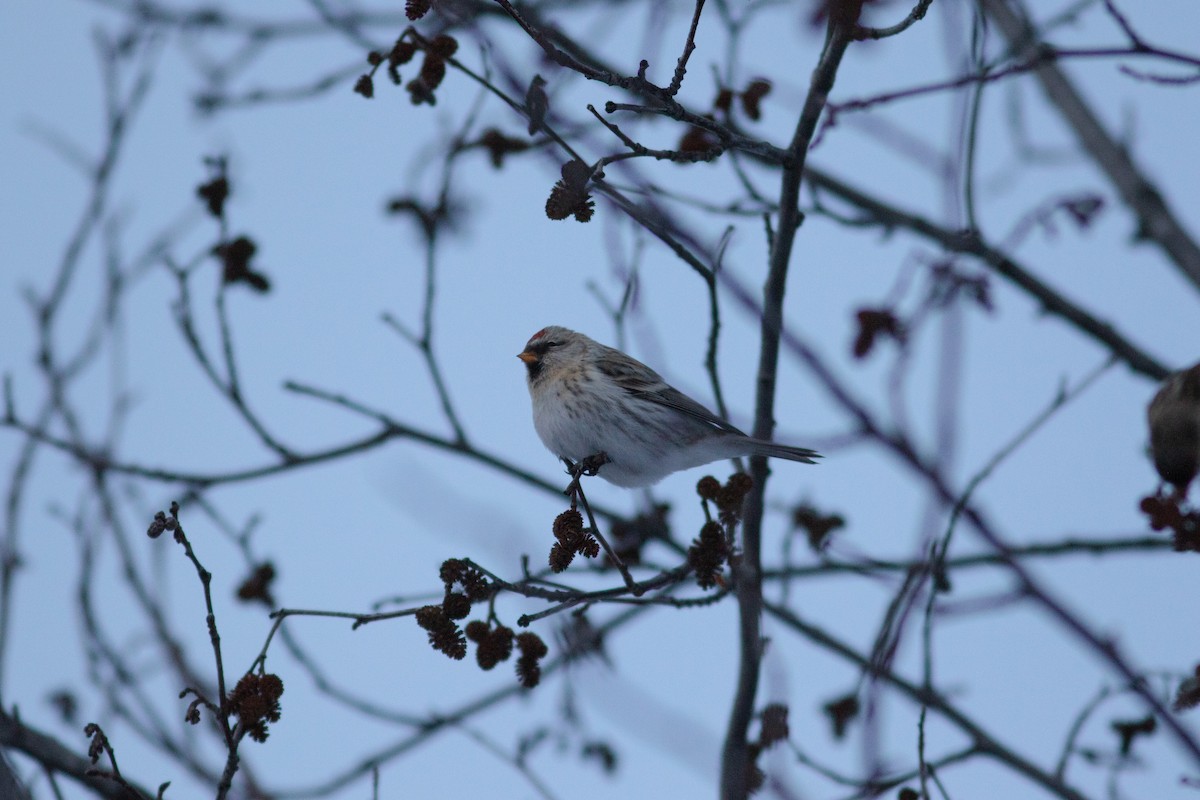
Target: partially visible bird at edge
1174, 419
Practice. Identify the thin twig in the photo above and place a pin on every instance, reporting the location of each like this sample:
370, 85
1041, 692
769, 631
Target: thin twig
688, 47
519, 764
917, 14
1065, 547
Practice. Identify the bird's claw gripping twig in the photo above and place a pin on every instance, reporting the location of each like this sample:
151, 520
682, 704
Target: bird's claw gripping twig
590, 465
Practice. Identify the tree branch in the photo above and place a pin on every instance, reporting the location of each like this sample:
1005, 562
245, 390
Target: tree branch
735, 761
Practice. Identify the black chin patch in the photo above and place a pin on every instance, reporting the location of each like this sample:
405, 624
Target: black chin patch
534, 368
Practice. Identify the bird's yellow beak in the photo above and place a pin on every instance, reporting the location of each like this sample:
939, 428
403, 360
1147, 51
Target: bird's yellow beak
527, 357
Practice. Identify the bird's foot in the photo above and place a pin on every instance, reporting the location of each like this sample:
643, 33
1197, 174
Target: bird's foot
591, 465
588, 467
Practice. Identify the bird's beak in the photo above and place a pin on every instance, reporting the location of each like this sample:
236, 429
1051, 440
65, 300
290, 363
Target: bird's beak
527, 357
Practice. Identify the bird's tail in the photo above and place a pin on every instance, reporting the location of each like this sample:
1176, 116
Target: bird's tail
773, 450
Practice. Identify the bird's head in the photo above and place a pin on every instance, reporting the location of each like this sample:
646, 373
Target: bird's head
552, 350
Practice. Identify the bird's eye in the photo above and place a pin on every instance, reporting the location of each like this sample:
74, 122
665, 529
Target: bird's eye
548, 345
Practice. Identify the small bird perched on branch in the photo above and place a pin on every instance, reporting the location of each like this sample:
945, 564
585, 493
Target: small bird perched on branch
590, 400
1174, 417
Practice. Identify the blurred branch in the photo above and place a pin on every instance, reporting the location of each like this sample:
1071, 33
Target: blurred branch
515, 762
389, 429
982, 741
1033, 62
1156, 221
121, 106
10, 785
1059, 547
902, 448
435, 220
229, 385
211, 101
940, 579
1050, 300
57, 758
438, 722
393, 428
875, 786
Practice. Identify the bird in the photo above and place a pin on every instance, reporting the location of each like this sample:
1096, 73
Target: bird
590, 399
536, 103
1174, 418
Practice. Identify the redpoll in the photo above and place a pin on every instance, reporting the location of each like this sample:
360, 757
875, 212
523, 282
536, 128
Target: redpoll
1174, 417
590, 399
